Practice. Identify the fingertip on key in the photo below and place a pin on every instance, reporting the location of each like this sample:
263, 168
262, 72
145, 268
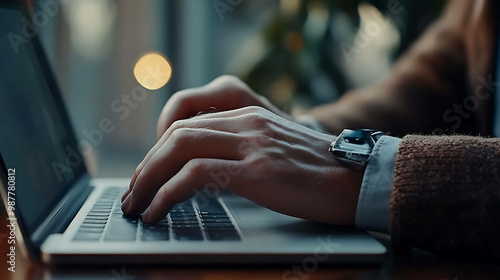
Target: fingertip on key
136, 173
146, 216
127, 203
124, 196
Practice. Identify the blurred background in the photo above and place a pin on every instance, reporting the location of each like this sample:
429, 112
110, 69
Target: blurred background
298, 53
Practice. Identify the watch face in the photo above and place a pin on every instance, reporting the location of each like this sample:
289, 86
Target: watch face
348, 146
354, 147
354, 141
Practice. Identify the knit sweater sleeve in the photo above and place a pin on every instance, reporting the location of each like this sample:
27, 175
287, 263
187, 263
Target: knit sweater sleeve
446, 196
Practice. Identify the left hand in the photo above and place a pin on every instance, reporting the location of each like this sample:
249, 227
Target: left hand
270, 160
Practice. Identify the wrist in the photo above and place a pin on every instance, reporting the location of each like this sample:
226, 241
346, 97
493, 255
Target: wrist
346, 184
353, 189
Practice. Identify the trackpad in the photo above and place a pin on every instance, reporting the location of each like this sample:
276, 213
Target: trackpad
246, 211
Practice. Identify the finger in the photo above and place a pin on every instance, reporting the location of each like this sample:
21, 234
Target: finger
183, 146
193, 176
223, 93
222, 124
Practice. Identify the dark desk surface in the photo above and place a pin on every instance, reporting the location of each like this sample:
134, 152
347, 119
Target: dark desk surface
419, 266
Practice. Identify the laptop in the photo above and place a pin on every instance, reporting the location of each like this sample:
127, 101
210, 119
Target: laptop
63, 216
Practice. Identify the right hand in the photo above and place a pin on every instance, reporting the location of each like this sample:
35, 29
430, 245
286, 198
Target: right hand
222, 94
258, 155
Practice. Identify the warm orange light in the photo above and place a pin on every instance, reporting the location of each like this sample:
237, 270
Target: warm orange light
153, 70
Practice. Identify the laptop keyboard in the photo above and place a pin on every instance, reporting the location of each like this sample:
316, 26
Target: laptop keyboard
187, 221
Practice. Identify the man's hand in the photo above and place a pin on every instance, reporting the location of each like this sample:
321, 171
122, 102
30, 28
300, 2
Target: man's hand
252, 151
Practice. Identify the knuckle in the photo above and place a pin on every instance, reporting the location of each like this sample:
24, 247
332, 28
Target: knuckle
180, 135
259, 120
256, 117
261, 164
164, 193
277, 155
196, 167
259, 138
178, 124
255, 110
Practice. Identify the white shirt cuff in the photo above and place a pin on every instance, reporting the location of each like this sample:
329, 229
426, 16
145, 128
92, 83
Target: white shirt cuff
373, 212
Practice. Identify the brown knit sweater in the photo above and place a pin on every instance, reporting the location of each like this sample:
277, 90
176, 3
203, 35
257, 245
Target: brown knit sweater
446, 195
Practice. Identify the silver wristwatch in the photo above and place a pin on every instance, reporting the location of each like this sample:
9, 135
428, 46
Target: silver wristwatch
353, 148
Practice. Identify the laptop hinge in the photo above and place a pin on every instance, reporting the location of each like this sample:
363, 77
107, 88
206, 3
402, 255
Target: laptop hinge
64, 212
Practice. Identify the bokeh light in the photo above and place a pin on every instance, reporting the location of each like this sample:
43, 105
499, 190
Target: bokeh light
153, 70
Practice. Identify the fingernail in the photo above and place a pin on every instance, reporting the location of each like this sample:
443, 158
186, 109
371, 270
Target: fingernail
127, 203
145, 216
136, 173
125, 195
132, 181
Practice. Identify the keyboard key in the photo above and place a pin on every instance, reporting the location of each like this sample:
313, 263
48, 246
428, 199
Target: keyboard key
121, 230
213, 216
89, 221
163, 222
188, 234
177, 215
211, 206
100, 214
102, 206
89, 229
106, 200
87, 236
156, 227
94, 218
126, 218
156, 236
185, 218
98, 210
182, 211
151, 233
192, 222
186, 226
219, 225
117, 215
219, 220
92, 225
176, 209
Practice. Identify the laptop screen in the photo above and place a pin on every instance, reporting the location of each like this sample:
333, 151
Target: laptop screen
36, 138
